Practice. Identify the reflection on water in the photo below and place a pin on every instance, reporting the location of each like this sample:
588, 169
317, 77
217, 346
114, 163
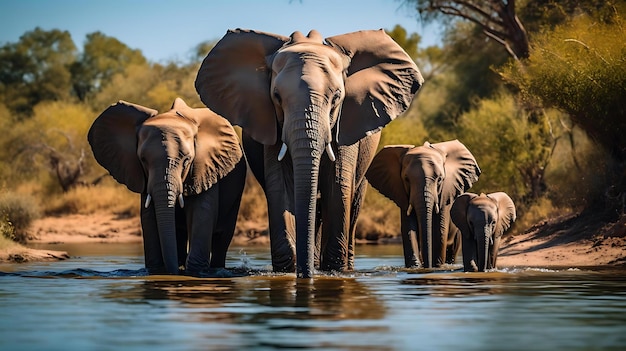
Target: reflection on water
106, 302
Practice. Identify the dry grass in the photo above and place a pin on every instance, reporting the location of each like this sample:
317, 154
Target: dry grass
87, 200
379, 218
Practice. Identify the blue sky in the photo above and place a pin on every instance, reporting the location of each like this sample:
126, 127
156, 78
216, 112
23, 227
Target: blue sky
169, 30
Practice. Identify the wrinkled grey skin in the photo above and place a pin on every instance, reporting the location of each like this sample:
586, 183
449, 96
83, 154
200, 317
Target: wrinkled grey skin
482, 220
310, 95
189, 163
424, 181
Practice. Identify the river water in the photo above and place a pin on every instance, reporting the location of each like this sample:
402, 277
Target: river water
101, 299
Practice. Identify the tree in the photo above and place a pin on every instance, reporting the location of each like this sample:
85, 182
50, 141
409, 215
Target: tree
513, 145
497, 19
102, 58
52, 140
36, 69
580, 68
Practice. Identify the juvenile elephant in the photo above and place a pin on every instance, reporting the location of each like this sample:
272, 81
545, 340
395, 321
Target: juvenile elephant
482, 220
424, 181
301, 100
187, 154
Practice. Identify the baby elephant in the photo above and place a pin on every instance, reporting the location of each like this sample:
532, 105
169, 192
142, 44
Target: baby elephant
187, 165
482, 219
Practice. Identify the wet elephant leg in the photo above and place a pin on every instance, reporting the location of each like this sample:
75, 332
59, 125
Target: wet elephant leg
440, 235
230, 192
280, 207
337, 194
201, 211
151, 243
470, 257
453, 243
366, 152
409, 232
182, 235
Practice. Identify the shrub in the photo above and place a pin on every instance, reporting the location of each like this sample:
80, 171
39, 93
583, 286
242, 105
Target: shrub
87, 200
6, 228
379, 218
20, 211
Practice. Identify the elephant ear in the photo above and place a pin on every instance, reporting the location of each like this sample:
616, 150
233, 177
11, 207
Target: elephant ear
217, 148
385, 173
380, 83
461, 170
458, 212
234, 81
113, 140
506, 212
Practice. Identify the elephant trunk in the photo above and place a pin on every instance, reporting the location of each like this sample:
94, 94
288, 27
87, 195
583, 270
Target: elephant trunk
164, 206
306, 150
424, 210
483, 249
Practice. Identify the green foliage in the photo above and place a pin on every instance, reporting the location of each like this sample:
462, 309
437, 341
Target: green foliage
36, 69
544, 15
101, 59
51, 141
17, 211
407, 42
512, 147
580, 68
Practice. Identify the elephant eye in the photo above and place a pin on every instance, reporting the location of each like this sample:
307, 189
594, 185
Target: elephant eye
186, 162
277, 97
336, 97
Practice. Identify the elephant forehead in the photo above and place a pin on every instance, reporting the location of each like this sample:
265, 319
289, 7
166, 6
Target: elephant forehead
483, 203
172, 124
309, 53
425, 156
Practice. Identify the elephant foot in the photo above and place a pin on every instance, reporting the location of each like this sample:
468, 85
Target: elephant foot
284, 266
336, 265
210, 273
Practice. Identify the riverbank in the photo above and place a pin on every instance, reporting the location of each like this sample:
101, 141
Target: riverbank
572, 241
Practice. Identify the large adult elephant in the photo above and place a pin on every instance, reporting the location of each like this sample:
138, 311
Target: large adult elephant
482, 220
189, 155
424, 181
301, 100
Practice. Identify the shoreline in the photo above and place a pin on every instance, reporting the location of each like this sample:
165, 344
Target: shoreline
547, 244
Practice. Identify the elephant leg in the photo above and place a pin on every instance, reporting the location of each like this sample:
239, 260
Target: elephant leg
440, 235
318, 233
408, 228
230, 192
280, 208
366, 152
493, 253
453, 243
254, 152
337, 191
470, 258
182, 235
357, 202
202, 212
151, 243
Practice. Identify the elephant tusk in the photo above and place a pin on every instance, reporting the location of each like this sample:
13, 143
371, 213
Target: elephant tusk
436, 208
409, 210
329, 151
282, 152
148, 199
181, 201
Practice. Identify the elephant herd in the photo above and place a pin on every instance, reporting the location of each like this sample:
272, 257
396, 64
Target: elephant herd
310, 111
